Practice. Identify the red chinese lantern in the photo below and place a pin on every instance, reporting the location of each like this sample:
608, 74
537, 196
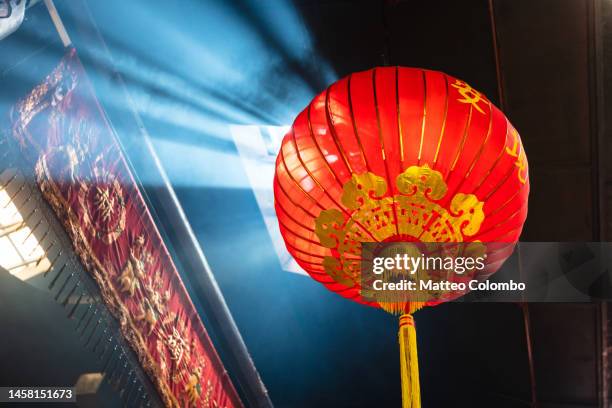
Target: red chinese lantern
397, 154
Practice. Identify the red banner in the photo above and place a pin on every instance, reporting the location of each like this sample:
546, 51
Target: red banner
84, 176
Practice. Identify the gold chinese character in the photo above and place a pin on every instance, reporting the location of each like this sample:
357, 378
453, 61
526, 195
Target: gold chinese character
518, 152
469, 95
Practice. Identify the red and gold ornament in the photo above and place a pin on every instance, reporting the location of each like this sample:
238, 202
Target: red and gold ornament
397, 154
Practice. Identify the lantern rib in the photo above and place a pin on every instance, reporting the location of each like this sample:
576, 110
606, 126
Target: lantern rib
502, 222
354, 122
500, 184
479, 153
482, 146
314, 140
299, 185
488, 173
293, 202
291, 217
400, 131
298, 235
506, 233
331, 281
424, 119
498, 209
291, 199
341, 207
435, 160
494, 164
294, 232
463, 139
302, 260
344, 288
384, 156
332, 130
316, 273
296, 249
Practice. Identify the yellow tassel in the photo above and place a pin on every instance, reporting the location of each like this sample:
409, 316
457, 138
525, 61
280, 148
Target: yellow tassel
409, 361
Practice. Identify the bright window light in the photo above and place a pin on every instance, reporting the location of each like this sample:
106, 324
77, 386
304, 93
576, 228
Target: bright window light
258, 147
20, 251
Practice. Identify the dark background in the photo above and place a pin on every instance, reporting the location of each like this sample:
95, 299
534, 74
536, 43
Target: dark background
195, 67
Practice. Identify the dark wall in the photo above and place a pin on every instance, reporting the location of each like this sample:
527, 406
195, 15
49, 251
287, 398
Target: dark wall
544, 52
548, 61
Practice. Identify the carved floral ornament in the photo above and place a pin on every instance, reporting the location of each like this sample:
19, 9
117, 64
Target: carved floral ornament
81, 171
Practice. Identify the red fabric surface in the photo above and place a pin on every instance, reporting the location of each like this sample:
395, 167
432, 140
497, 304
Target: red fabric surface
84, 176
383, 121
